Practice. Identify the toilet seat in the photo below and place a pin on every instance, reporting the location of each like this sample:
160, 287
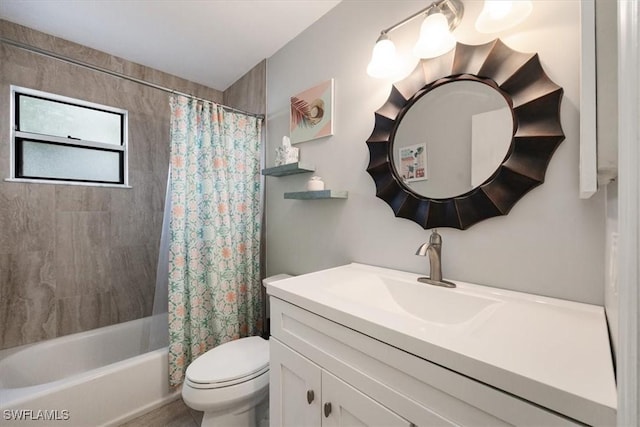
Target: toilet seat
229, 364
223, 384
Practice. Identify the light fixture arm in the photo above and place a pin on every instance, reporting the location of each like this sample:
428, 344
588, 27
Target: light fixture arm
440, 18
452, 9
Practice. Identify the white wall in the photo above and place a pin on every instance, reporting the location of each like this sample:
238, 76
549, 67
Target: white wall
551, 243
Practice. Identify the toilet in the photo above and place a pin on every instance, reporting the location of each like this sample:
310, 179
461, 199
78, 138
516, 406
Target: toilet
230, 383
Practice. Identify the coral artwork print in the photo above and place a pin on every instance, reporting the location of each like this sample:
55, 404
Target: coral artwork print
312, 113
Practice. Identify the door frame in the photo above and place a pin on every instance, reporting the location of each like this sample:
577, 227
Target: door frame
629, 211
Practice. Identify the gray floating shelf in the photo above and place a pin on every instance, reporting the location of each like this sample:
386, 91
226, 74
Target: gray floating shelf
288, 169
316, 195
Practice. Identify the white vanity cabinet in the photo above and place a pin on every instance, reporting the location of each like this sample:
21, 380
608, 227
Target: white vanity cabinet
304, 394
370, 383
384, 349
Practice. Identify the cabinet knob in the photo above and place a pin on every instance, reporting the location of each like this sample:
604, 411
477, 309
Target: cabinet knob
310, 396
327, 409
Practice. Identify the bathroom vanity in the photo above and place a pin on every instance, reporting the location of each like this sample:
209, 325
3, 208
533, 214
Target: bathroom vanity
363, 345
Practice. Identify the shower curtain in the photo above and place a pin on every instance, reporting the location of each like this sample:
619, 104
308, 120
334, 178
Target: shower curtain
214, 272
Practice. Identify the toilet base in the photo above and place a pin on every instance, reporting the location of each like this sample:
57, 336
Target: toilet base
254, 416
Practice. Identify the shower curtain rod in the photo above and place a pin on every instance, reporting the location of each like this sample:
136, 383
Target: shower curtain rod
115, 74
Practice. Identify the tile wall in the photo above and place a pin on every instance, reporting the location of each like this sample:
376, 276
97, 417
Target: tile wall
74, 258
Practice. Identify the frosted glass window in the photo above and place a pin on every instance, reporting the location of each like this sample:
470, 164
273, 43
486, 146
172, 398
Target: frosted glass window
42, 161
43, 116
67, 140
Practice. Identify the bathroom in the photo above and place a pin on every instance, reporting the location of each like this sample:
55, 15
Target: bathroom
552, 242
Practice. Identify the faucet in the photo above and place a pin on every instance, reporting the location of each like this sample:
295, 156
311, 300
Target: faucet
433, 249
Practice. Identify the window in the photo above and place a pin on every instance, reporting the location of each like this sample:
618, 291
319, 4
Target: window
66, 140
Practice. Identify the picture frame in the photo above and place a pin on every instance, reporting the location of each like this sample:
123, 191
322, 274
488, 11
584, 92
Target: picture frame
311, 113
413, 162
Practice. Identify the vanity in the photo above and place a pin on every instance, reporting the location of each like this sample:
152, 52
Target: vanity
364, 345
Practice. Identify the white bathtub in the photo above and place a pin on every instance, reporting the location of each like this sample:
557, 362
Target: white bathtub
101, 377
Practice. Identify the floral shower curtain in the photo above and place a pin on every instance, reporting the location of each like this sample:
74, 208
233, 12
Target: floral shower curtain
214, 275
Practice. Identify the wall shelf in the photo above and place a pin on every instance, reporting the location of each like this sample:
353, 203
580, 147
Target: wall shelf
316, 195
288, 169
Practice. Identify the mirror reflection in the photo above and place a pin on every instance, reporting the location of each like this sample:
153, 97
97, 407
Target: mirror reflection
452, 139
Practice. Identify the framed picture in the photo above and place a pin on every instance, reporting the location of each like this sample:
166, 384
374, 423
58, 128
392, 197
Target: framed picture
312, 113
413, 162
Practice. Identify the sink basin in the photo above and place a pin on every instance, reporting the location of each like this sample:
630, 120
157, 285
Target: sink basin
425, 302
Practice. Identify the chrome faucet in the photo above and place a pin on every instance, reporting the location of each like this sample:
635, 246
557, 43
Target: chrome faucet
433, 249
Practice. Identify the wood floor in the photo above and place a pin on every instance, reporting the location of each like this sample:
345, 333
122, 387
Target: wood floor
174, 414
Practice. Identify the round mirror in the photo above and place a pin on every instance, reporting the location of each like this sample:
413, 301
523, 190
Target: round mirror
465, 135
452, 139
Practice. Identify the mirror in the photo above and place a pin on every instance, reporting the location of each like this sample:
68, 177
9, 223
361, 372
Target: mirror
508, 160
452, 139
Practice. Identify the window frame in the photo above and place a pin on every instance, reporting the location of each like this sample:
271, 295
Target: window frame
18, 136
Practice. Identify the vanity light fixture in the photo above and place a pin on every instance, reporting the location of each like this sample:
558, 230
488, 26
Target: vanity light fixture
500, 15
441, 17
435, 37
383, 59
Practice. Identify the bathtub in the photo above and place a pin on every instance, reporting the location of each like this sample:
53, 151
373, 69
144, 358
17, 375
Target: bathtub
102, 377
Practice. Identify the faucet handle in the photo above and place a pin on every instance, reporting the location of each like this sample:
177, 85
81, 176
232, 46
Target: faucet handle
435, 238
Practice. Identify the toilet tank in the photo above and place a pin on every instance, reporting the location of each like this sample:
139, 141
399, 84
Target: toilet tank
272, 279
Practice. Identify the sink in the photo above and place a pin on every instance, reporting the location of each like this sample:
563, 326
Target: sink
407, 298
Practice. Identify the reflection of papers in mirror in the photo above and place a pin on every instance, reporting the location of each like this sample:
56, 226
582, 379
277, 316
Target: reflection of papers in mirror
490, 141
413, 162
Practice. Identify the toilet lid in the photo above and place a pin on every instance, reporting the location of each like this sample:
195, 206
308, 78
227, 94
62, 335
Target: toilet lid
230, 362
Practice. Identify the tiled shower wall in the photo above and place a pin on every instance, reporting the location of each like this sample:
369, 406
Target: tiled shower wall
74, 258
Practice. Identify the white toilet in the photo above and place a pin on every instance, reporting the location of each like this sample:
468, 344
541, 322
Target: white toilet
230, 383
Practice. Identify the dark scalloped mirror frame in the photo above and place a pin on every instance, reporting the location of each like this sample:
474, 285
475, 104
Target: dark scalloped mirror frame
535, 105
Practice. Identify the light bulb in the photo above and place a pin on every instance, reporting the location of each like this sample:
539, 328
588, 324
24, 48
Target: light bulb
383, 59
435, 38
498, 9
500, 15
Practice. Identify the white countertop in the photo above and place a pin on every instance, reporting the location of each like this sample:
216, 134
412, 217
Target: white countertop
552, 352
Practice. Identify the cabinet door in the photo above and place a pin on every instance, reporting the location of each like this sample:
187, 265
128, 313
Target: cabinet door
294, 388
343, 405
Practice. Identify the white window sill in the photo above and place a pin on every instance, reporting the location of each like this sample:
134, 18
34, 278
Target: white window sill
83, 184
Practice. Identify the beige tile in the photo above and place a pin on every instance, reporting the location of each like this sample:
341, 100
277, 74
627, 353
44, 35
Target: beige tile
75, 198
16, 68
12, 317
26, 217
158, 187
197, 416
83, 312
27, 287
138, 196
89, 274
27, 320
160, 173
174, 414
249, 92
81, 256
133, 218
133, 227
27, 275
140, 131
79, 231
7, 285
158, 219
4, 120
132, 281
